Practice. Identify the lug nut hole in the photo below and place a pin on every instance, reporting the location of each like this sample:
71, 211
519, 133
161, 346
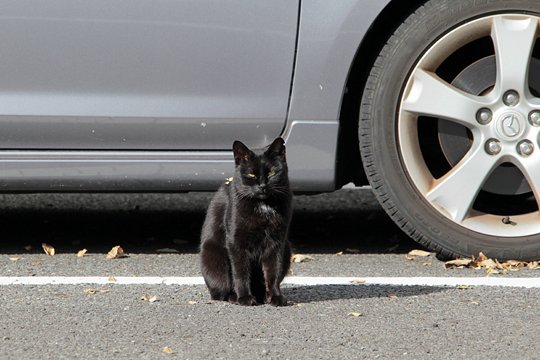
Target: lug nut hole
511, 98
484, 116
525, 148
493, 146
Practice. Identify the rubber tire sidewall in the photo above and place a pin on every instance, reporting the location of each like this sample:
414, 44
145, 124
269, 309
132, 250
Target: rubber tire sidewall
378, 133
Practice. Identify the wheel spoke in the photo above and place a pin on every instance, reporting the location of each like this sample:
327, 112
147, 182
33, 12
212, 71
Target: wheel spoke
530, 167
513, 37
456, 191
432, 96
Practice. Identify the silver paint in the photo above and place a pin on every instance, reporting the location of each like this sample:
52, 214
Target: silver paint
140, 95
144, 74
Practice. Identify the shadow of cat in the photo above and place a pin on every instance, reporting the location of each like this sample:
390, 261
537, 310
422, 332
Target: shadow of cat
307, 294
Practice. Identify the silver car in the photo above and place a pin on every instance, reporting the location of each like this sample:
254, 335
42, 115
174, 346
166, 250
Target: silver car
435, 103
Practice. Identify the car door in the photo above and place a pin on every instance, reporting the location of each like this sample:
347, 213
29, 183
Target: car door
144, 74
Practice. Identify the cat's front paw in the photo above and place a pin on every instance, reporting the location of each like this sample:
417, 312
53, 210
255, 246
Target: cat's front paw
277, 300
248, 300
232, 298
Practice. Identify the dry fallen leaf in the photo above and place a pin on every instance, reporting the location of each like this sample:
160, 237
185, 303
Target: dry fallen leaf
168, 350
392, 296
192, 302
481, 257
492, 266
427, 263
515, 263
419, 253
358, 281
487, 264
81, 253
149, 298
93, 291
298, 258
49, 250
355, 314
458, 263
116, 253
14, 258
473, 302
339, 253
111, 278
463, 287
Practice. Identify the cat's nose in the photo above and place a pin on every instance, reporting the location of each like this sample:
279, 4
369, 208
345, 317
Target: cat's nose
263, 186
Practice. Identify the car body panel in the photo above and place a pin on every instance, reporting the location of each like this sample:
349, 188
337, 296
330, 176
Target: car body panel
161, 171
329, 36
153, 160
144, 74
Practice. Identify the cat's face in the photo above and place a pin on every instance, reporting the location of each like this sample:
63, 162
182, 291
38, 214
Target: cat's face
261, 174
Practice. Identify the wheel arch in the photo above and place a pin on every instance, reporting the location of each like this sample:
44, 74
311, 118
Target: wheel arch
348, 149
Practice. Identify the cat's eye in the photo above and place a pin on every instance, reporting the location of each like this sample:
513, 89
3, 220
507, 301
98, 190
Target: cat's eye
271, 173
250, 175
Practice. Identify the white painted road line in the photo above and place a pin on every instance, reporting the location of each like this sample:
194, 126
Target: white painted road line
99, 280
529, 282
418, 281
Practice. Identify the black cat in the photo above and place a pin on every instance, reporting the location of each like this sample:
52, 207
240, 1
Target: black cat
245, 252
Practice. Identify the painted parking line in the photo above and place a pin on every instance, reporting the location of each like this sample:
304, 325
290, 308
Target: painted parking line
529, 282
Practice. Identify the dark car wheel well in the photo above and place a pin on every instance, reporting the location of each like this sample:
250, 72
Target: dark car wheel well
349, 164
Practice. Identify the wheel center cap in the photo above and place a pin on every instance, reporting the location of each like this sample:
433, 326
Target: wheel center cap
510, 125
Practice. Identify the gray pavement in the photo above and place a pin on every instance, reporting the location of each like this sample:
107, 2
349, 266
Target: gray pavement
160, 235
63, 322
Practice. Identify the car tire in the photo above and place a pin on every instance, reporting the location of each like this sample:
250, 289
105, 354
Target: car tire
449, 136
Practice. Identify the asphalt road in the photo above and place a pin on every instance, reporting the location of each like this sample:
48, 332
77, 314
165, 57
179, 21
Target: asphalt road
160, 236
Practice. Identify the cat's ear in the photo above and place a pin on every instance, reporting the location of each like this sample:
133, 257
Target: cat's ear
241, 152
277, 149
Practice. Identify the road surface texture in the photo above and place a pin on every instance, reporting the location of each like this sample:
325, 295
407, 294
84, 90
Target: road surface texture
346, 234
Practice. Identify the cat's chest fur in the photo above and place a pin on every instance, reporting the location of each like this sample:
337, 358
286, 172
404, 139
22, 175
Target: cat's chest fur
266, 211
260, 215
